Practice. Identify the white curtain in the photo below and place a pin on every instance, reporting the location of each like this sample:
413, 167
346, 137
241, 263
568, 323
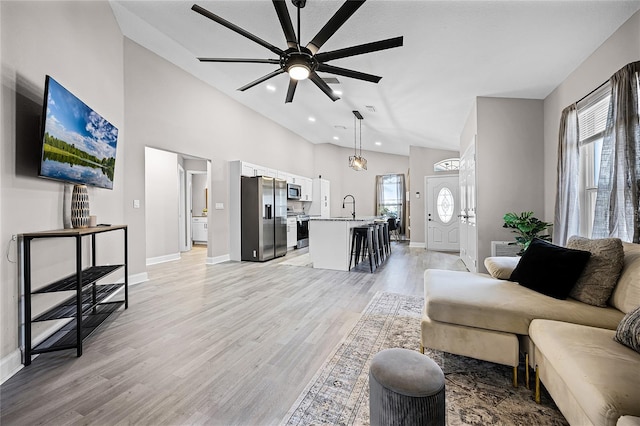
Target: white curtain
567, 211
617, 208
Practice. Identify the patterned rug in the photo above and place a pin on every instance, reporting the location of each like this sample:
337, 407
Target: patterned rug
477, 392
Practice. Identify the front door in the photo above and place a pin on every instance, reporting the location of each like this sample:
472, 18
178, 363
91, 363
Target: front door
442, 213
467, 212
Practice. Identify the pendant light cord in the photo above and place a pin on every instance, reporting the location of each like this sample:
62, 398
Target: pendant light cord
361, 138
355, 149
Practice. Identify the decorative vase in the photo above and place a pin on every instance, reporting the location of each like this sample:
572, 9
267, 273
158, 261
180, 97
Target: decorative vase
80, 207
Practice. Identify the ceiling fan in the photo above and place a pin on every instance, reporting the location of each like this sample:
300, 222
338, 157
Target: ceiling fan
302, 62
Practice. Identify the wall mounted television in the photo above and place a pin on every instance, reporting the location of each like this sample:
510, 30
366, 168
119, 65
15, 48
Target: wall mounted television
78, 144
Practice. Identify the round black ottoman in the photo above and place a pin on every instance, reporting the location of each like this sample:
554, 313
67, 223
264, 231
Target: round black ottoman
405, 388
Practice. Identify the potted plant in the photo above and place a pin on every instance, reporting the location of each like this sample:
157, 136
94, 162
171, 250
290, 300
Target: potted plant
384, 211
527, 227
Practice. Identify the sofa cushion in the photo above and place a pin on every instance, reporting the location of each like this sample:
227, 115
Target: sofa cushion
626, 295
628, 331
601, 375
501, 267
549, 269
600, 276
478, 300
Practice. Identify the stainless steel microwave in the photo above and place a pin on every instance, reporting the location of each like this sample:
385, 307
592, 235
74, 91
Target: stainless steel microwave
294, 192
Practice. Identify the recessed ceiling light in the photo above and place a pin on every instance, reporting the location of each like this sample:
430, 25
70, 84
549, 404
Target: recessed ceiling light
271, 88
337, 92
335, 138
312, 119
378, 143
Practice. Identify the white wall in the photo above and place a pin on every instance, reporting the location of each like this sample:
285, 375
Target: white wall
509, 164
421, 161
618, 50
80, 45
162, 198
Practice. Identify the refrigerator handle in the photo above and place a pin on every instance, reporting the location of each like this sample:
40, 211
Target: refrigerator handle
267, 211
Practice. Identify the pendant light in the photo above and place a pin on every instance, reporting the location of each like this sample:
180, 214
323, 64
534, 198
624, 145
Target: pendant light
357, 162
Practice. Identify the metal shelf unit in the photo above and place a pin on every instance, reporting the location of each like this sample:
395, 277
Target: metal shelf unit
88, 307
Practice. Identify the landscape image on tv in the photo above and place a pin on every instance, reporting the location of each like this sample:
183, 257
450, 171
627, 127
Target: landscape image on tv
79, 145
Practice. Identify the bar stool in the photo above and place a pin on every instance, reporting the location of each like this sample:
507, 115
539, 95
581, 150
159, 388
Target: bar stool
361, 242
383, 247
387, 240
375, 246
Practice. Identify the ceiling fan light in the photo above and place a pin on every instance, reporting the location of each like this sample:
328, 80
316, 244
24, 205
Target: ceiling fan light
299, 72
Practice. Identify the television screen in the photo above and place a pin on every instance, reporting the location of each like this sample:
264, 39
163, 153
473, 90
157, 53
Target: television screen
78, 144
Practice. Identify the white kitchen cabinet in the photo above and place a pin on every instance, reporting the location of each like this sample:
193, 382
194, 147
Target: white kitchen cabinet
249, 169
292, 232
321, 201
283, 175
306, 185
199, 232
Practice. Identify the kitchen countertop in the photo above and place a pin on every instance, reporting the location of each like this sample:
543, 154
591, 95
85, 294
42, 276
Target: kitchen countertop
346, 219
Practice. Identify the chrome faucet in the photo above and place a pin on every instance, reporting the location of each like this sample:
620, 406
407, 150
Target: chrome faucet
353, 214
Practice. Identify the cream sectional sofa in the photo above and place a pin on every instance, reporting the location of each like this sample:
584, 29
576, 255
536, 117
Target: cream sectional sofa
592, 379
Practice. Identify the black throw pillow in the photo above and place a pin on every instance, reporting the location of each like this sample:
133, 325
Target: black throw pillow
549, 269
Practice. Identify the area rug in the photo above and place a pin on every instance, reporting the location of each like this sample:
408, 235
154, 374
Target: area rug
477, 392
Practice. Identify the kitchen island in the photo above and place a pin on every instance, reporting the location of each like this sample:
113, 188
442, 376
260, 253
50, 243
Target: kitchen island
330, 241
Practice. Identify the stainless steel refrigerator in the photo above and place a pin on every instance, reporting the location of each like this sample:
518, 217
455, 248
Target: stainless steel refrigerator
264, 218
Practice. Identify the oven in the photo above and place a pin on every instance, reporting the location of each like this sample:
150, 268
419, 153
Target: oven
302, 231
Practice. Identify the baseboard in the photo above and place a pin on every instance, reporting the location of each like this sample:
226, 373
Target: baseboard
218, 259
417, 245
161, 259
138, 278
10, 365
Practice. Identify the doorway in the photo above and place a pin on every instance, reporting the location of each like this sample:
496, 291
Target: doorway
442, 206
171, 206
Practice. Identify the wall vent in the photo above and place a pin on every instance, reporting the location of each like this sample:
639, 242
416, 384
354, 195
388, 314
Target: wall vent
504, 248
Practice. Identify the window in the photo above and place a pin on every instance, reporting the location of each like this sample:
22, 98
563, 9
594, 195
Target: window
390, 195
447, 165
592, 121
444, 205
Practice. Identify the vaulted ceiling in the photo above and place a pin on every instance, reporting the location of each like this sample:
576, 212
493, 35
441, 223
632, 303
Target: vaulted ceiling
453, 52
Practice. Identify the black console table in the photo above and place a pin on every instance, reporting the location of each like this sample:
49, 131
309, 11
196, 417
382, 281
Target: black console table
88, 307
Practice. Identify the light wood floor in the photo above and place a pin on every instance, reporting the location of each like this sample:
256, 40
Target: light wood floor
233, 343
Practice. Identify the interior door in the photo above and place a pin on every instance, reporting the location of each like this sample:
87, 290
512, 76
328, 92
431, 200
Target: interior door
468, 228
443, 232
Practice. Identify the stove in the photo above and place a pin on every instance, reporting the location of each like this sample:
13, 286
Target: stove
302, 221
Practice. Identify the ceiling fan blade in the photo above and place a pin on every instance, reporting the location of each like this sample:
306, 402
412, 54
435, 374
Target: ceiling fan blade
254, 61
204, 12
285, 22
360, 49
323, 86
340, 17
261, 79
292, 90
348, 73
